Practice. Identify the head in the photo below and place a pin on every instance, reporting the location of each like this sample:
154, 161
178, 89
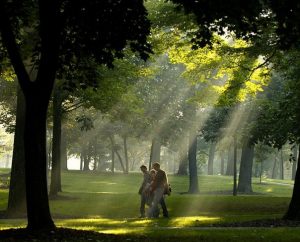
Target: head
152, 173
143, 168
156, 166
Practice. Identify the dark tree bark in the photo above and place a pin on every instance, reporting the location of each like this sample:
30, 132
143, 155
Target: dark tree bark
121, 162
126, 154
245, 176
193, 172
234, 165
274, 171
38, 211
17, 191
222, 171
183, 161
37, 95
112, 141
281, 166
293, 212
230, 161
256, 169
211, 158
294, 167
64, 153
155, 151
87, 159
55, 185
81, 159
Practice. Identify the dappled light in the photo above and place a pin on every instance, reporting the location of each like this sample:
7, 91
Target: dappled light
149, 120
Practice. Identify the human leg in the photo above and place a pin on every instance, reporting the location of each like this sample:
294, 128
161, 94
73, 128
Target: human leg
142, 206
158, 194
164, 207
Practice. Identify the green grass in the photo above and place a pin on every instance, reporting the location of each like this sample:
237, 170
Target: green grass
110, 203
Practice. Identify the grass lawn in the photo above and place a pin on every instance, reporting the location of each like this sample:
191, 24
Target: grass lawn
110, 204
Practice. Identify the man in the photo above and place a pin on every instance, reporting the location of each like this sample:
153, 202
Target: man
147, 180
158, 187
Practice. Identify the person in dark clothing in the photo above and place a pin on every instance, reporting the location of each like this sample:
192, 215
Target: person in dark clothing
147, 180
158, 187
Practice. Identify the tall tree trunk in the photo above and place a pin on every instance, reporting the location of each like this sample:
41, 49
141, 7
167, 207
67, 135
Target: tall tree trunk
86, 159
192, 156
281, 166
126, 154
112, 141
49, 148
63, 151
155, 151
81, 159
121, 162
38, 211
37, 95
293, 212
17, 191
183, 161
234, 165
222, 164
295, 158
256, 169
230, 161
245, 176
274, 171
55, 185
211, 158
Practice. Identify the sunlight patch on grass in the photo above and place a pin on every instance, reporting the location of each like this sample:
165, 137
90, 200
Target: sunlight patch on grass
90, 222
12, 223
192, 221
122, 230
106, 183
141, 222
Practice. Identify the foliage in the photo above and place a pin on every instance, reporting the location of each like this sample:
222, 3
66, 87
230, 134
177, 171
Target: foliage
246, 20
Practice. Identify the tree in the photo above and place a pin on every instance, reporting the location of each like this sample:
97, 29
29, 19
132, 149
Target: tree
67, 33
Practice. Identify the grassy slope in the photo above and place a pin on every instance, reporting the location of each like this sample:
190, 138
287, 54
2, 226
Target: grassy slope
110, 204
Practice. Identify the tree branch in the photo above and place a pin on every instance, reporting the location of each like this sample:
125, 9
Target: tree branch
10, 43
73, 107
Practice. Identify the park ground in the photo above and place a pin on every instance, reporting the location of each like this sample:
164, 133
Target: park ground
105, 207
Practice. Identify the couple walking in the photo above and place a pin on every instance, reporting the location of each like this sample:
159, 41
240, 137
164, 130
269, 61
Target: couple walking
154, 187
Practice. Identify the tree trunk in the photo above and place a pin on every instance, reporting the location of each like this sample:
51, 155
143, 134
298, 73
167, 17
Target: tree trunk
38, 211
230, 161
121, 162
245, 176
86, 160
274, 173
49, 148
17, 191
81, 159
37, 95
183, 161
126, 154
211, 157
222, 164
155, 151
256, 169
293, 212
295, 158
281, 166
55, 185
234, 165
63, 151
112, 141
192, 156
